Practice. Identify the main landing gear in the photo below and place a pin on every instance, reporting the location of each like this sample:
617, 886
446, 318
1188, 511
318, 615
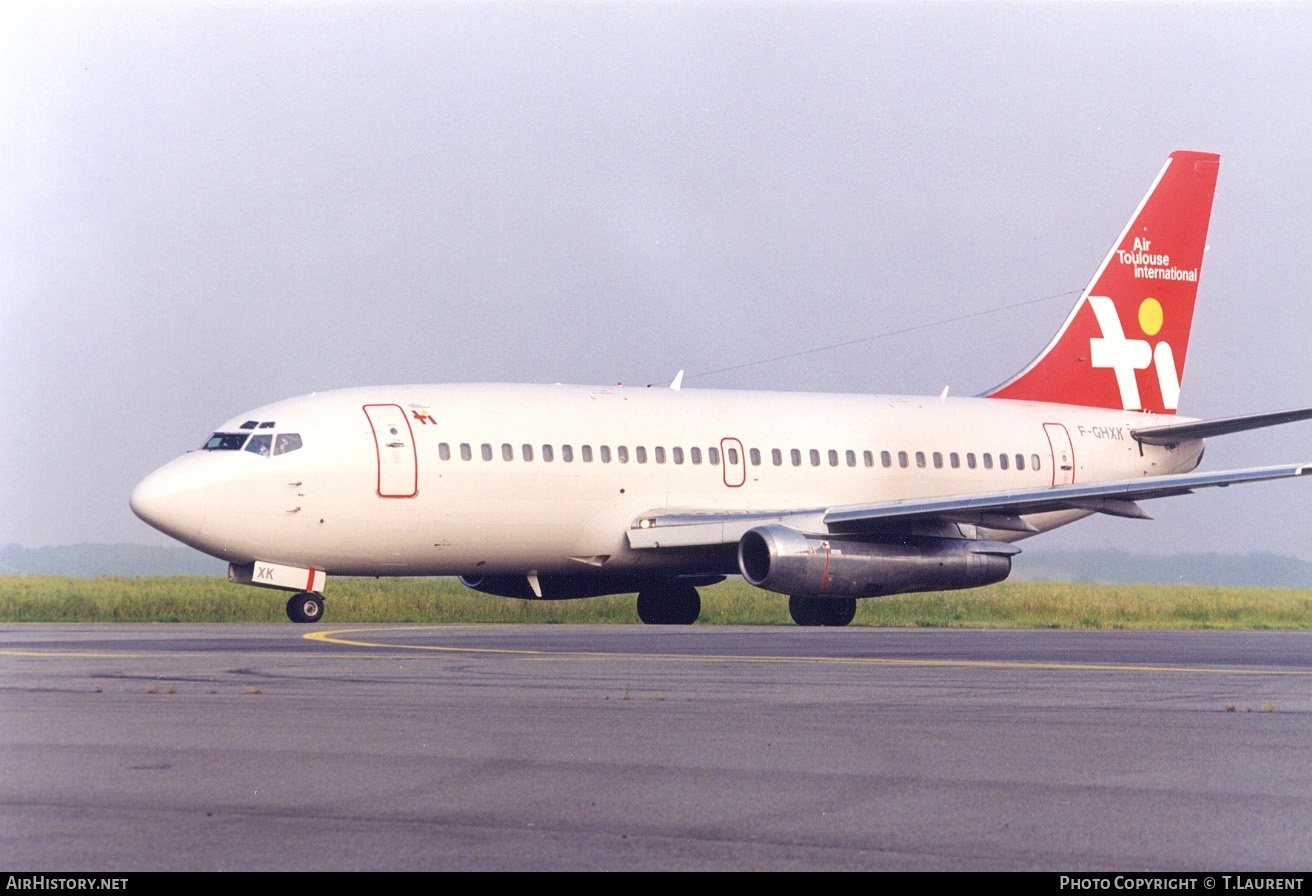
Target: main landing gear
669, 603
305, 607
830, 611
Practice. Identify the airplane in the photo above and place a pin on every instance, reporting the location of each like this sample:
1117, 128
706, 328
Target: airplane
556, 492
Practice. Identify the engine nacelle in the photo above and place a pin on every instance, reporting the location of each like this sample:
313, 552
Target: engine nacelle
780, 559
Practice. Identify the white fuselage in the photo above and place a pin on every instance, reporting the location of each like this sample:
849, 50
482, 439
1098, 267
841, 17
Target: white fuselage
488, 479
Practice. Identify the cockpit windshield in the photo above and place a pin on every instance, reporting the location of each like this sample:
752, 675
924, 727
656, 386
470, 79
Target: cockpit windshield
226, 441
264, 444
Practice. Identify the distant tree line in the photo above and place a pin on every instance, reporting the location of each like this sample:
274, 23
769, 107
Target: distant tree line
87, 560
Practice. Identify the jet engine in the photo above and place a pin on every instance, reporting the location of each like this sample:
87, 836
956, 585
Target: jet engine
784, 560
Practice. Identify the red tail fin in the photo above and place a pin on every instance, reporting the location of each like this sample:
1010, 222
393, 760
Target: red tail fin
1124, 344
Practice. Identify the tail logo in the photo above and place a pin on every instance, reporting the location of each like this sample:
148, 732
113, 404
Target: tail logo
1134, 317
1125, 357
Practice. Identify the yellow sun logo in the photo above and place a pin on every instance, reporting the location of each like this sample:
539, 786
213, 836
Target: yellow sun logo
1150, 316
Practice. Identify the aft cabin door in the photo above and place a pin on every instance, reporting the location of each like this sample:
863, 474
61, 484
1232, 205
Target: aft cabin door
398, 468
1063, 455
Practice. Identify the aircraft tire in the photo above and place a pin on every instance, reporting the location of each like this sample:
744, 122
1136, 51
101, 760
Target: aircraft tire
305, 607
806, 611
827, 611
689, 605
669, 604
839, 612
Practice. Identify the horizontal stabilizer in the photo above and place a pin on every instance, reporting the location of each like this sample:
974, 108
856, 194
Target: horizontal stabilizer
1173, 433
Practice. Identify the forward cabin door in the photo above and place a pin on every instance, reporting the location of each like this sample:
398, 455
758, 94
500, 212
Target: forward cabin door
398, 466
1063, 455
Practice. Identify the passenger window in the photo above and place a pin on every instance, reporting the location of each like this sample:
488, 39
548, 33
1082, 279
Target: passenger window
755, 455
868, 457
776, 457
1034, 461
796, 456
548, 454
677, 454
885, 458
660, 455
443, 450
833, 458
695, 455
970, 459
920, 458
732, 455
712, 455
640, 454
586, 453
902, 459
567, 453
851, 458
1002, 461
605, 454
507, 452
622, 453
527, 452
954, 460
938, 460
260, 445
1020, 461
466, 452
814, 454
988, 461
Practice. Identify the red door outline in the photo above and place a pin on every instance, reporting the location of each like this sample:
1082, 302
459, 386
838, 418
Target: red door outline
394, 446
1063, 454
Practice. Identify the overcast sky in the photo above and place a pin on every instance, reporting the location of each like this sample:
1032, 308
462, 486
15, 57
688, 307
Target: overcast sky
207, 207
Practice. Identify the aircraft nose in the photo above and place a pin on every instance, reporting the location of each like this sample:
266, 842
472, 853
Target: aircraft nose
169, 500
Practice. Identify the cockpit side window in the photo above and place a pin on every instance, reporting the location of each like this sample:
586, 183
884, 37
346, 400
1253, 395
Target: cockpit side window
286, 441
260, 444
226, 441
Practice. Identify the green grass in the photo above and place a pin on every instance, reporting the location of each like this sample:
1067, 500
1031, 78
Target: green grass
1007, 605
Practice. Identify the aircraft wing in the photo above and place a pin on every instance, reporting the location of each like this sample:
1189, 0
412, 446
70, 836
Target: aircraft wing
1003, 510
